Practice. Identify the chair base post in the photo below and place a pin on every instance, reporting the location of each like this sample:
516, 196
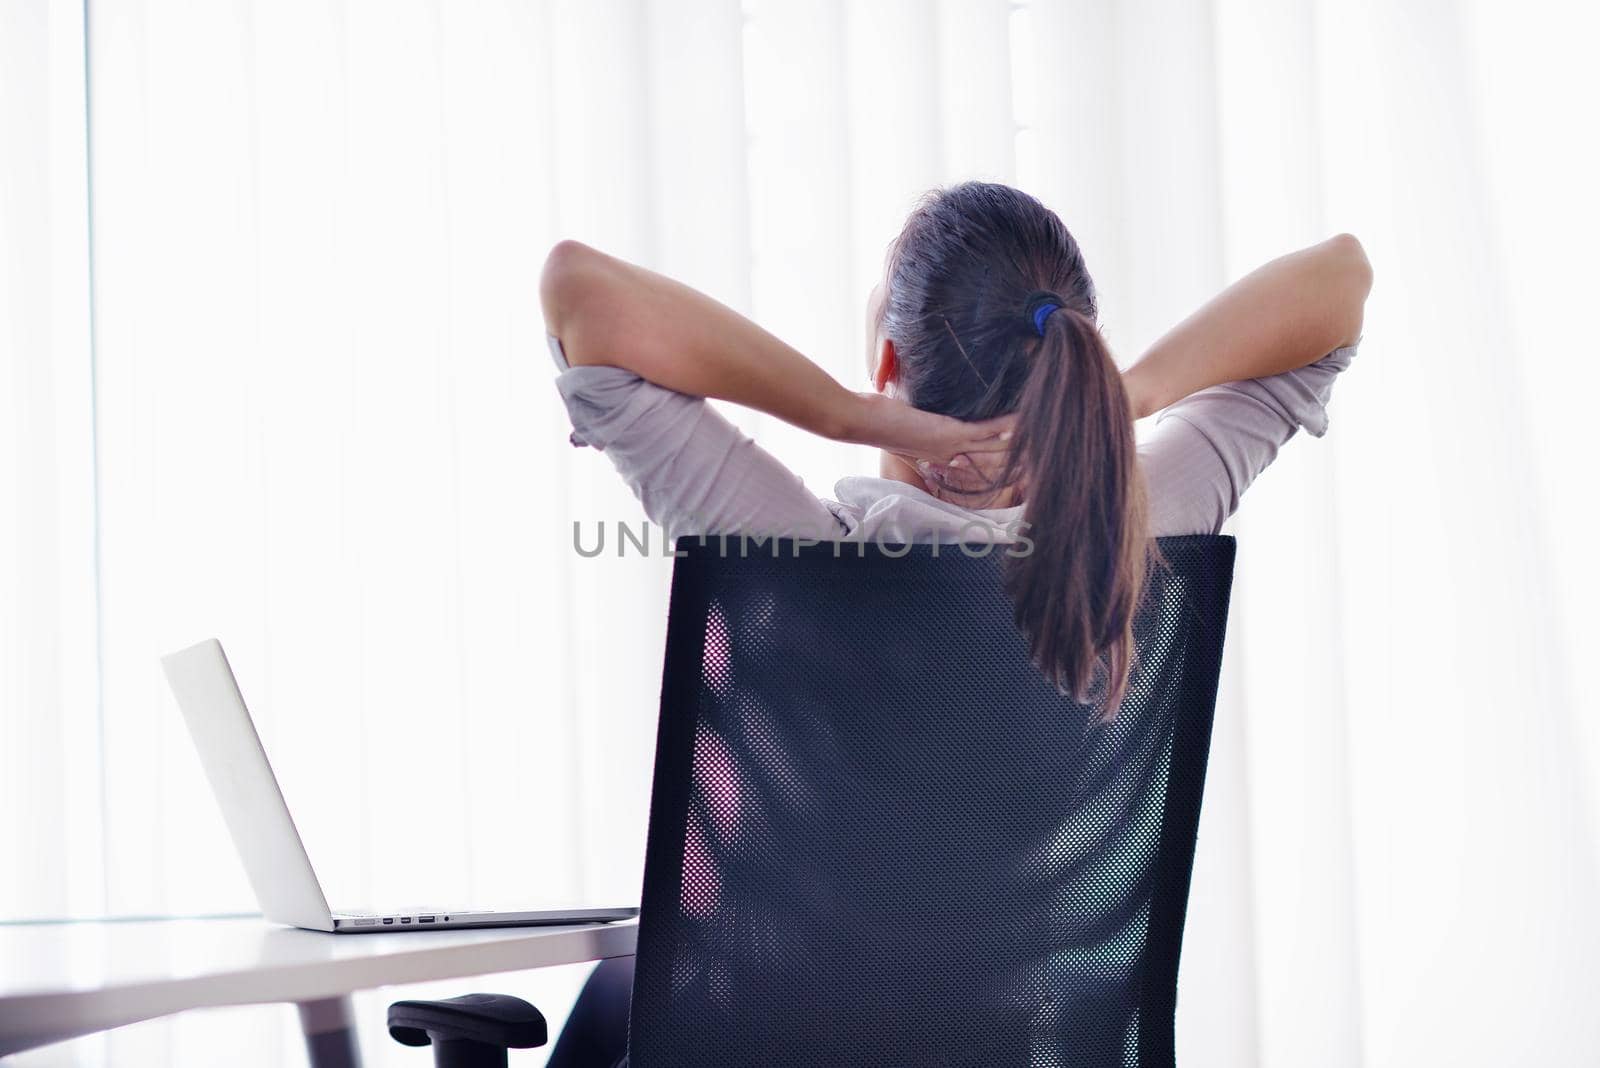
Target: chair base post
464, 1053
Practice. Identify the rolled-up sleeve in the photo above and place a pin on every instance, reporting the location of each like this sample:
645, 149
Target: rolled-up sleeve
1208, 448
692, 470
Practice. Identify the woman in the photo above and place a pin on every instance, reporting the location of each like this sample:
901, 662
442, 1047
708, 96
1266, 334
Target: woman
998, 408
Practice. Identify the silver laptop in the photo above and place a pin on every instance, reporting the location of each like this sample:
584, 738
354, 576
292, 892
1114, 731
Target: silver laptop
264, 833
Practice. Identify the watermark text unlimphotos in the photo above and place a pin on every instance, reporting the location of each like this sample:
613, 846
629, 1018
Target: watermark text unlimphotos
620, 538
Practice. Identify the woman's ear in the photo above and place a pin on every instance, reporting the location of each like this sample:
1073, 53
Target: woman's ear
887, 372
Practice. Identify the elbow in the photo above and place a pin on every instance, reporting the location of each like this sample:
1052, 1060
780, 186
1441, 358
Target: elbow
1351, 258
570, 277
1351, 282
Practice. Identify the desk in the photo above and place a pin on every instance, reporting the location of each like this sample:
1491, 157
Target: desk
62, 980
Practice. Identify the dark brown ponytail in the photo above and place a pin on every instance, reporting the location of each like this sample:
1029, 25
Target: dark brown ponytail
969, 282
1076, 461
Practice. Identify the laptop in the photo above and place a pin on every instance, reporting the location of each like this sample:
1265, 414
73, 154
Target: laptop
264, 833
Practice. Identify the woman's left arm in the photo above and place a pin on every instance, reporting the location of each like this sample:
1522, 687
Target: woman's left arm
1278, 318
608, 312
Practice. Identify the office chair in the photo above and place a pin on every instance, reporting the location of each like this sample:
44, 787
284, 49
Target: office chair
878, 837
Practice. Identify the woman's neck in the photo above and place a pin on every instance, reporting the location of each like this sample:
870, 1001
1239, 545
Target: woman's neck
895, 469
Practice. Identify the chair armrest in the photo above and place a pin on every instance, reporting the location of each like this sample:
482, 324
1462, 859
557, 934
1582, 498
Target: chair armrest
485, 1019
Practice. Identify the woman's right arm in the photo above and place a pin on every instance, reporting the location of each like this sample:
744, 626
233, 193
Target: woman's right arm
1280, 317
608, 312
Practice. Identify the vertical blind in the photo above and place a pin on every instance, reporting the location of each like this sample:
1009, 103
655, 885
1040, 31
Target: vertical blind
314, 417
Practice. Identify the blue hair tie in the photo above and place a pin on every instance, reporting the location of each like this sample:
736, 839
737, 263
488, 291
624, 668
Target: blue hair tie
1040, 314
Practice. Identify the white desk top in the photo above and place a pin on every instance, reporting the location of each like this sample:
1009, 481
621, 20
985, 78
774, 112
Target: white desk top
58, 980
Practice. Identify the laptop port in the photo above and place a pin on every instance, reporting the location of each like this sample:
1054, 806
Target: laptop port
425, 919
388, 919
405, 919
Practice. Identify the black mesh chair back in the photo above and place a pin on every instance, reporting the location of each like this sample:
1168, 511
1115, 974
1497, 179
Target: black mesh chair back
878, 837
